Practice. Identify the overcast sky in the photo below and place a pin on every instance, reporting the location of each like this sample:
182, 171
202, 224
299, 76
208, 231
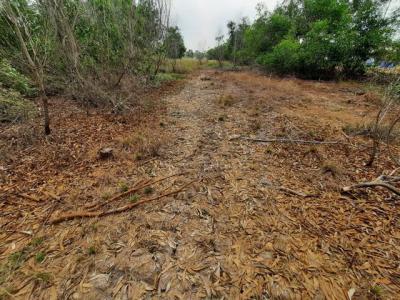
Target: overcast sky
200, 20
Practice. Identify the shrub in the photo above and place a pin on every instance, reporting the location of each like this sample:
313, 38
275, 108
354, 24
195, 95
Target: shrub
284, 57
11, 78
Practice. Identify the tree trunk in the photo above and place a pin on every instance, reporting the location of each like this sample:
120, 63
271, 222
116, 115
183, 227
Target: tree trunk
46, 117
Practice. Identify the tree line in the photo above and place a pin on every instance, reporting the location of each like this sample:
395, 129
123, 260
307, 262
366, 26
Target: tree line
83, 48
314, 38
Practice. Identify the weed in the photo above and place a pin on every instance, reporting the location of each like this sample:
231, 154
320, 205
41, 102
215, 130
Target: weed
43, 277
92, 250
376, 291
16, 259
39, 257
93, 227
123, 187
37, 241
106, 196
149, 190
134, 198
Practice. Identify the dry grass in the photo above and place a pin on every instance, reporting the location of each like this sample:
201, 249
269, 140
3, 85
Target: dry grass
226, 100
145, 143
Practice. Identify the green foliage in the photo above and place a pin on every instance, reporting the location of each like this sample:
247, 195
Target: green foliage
11, 78
284, 57
39, 257
174, 45
134, 198
318, 38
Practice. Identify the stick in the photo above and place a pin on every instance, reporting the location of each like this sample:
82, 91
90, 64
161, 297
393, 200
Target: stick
382, 181
290, 141
131, 191
88, 214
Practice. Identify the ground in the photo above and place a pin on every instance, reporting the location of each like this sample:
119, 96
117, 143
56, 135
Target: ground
234, 225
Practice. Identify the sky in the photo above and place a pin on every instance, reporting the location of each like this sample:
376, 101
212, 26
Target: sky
201, 20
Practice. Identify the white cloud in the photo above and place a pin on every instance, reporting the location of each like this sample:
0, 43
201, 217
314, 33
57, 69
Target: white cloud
200, 20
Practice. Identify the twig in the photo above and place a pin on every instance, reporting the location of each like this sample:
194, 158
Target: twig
382, 181
290, 141
88, 214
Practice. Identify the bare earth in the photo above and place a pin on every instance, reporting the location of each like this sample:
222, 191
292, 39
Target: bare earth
240, 230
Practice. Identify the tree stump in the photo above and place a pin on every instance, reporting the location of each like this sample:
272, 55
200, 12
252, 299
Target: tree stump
105, 153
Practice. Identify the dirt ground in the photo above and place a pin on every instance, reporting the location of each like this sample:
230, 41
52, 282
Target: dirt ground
229, 219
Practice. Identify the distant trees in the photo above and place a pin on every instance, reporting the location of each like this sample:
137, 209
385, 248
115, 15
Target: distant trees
189, 53
315, 38
85, 48
200, 55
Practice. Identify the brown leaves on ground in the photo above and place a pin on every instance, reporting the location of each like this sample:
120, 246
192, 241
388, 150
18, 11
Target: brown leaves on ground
231, 234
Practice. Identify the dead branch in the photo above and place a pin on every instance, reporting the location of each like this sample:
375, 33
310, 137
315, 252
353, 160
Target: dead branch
382, 181
290, 141
88, 214
131, 191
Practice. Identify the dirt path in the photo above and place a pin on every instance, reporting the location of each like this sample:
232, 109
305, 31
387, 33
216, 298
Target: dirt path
230, 235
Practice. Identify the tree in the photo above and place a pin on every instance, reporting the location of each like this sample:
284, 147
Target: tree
83, 48
220, 49
332, 37
30, 52
174, 45
189, 53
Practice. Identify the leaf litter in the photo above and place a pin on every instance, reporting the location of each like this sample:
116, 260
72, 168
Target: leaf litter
226, 235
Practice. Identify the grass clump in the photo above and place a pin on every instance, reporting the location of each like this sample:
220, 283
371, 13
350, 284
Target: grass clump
376, 292
40, 257
43, 277
123, 187
134, 198
145, 144
226, 100
92, 250
37, 241
149, 190
16, 259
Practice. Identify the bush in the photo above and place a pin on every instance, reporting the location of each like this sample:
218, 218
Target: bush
284, 58
13, 108
11, 78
